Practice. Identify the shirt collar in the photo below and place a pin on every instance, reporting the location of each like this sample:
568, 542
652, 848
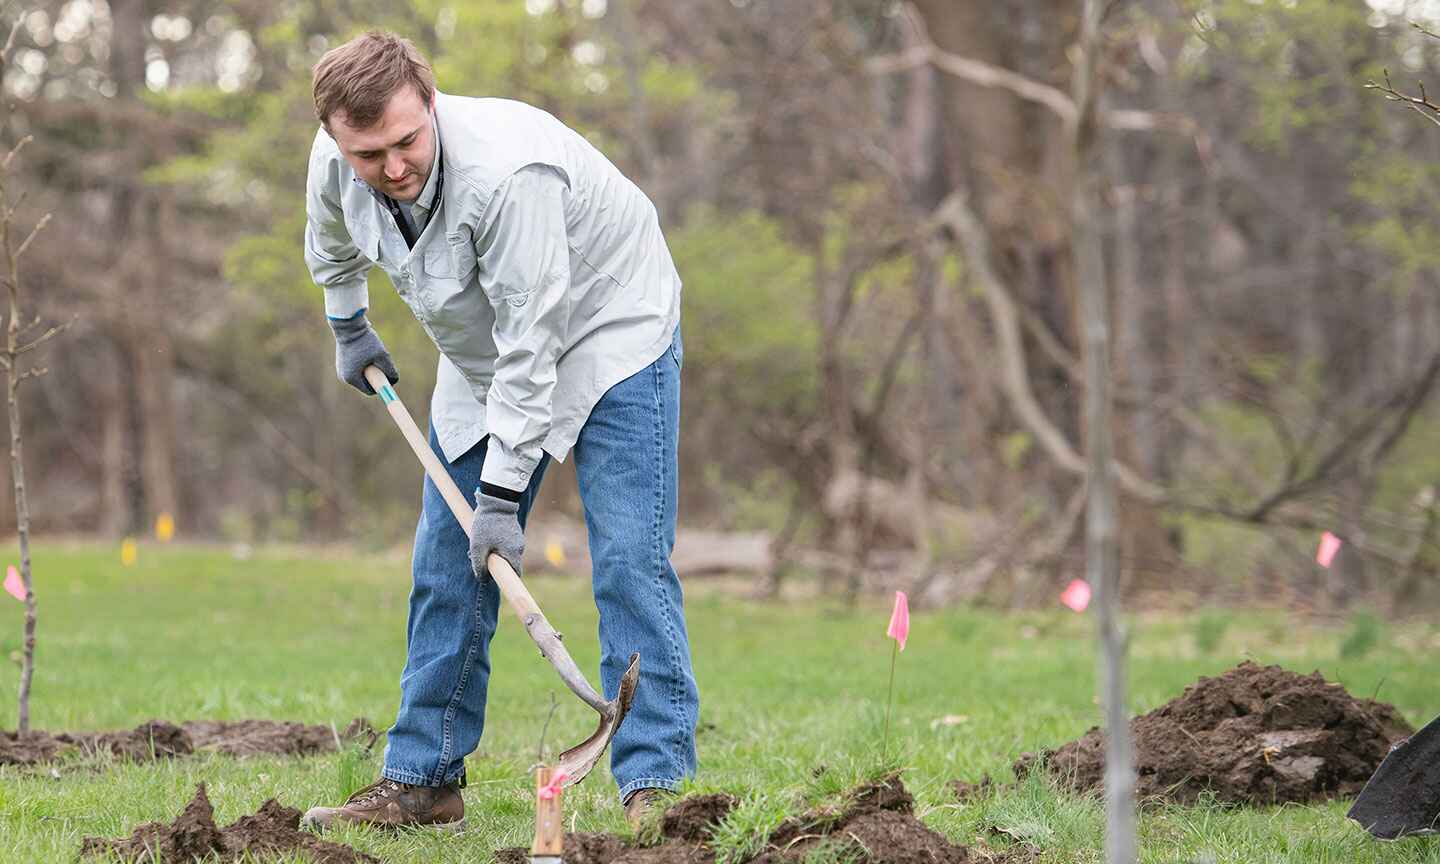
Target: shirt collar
426, 199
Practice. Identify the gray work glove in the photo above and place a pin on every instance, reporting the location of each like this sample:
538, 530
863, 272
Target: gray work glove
357, 345
496, 527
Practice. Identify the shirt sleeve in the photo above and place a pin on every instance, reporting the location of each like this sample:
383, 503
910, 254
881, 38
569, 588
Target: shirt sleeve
524, 269
335, 264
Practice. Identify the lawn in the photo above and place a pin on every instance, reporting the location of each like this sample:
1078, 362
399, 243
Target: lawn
793, 700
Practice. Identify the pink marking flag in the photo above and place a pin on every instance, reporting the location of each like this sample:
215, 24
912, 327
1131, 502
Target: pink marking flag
1076, 595
899, 628
557, 783
1329, 545
13, 586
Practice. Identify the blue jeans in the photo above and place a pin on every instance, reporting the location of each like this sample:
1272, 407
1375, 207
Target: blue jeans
627, 466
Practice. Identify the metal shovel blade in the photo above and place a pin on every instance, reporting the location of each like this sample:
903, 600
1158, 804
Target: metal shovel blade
578, 760
1403, 795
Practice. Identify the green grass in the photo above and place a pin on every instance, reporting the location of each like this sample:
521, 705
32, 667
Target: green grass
792, 706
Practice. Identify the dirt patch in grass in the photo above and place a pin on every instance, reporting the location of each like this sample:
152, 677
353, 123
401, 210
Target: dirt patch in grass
967, 792
1254, 735
159, 739
272, 831
876, 824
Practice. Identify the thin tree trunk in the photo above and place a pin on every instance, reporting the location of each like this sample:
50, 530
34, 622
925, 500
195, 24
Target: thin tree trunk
114, 457
22, 506
1101, 565
13, 377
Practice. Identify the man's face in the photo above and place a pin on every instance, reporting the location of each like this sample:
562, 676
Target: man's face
394, 154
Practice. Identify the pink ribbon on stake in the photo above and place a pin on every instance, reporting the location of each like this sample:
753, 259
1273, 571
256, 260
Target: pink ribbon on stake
1076, 595
1329, 545
13, 586
557, 783
899, 628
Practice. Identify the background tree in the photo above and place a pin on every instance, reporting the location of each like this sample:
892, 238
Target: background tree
869, 205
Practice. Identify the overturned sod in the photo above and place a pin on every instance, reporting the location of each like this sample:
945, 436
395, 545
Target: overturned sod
1255, 735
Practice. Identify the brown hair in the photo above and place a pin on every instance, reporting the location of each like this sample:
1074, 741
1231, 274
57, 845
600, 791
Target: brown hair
360, 76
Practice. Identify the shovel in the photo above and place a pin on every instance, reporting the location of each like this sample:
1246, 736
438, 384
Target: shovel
578, 760
1402, 797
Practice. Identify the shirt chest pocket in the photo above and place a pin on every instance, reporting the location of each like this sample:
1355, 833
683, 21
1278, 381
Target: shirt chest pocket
451, 301
452, 259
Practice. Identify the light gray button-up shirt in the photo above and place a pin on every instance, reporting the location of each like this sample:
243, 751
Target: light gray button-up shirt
541, 274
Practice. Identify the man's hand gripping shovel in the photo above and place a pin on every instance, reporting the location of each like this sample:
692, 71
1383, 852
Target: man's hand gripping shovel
578, 760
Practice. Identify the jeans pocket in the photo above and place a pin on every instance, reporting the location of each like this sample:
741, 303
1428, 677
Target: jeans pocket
677, 350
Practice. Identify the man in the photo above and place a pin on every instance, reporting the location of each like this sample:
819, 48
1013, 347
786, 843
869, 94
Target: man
541, 275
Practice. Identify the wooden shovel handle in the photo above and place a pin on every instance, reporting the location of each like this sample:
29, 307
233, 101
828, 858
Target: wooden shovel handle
505, 576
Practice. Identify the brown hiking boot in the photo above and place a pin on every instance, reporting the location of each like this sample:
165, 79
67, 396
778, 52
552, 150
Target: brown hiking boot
394, 805
643, 802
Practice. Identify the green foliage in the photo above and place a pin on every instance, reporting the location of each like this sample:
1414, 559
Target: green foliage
1209, 628
1362, 636
751, 292
1013, 448
1232, 551
1402, 189
1302, 63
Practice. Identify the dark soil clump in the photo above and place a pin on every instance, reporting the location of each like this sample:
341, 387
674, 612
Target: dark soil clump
273, 831
1255, 735
158, 739
257, 737
877, 824
966, 792
692, 819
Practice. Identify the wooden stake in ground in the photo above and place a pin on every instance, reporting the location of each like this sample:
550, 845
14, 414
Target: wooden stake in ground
1100, 553
549, 843
19, 340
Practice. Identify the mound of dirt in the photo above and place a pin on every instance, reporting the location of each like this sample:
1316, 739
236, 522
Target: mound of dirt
877, 825
158, 739
1254, 735
272, 832
269, 737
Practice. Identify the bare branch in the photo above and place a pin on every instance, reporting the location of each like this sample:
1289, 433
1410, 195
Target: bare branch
976, 72
10, 40
15, 151
39, 226
984, 74
1419, 104
34, 372
44, 337
955, 214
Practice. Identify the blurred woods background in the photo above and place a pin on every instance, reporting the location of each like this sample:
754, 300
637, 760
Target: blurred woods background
868, 201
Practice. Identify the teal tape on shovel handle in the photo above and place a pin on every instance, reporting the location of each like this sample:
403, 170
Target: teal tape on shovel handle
387, 395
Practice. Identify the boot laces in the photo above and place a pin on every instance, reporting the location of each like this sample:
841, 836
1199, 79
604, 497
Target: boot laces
382, 788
